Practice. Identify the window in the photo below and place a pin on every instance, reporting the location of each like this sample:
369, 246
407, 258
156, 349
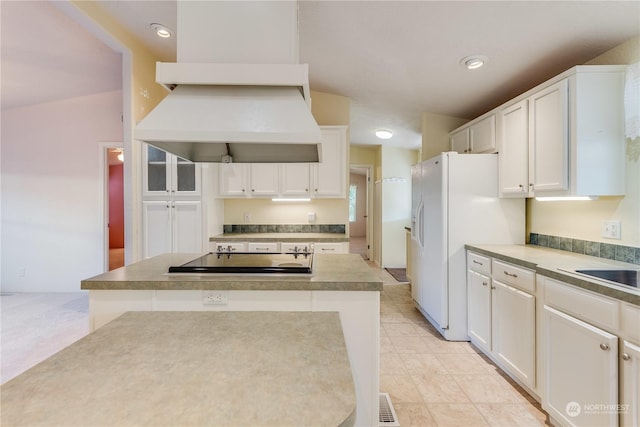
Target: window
353, 189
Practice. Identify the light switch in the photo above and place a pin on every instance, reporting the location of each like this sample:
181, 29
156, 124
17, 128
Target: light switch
311, 217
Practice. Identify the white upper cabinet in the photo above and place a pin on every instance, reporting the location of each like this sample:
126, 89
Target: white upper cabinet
329, 177
476, 137
266, 180
565, 137
167, 175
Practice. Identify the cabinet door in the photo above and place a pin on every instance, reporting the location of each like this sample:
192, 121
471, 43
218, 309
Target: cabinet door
514, 326
185, 177
294, 179
460, 141
186, 226
331, 248
514, 150
581, 370
156, 174
482, 136
233, 180
630, 387
479, 309
156, 228
329, 176
549, 138
265, 178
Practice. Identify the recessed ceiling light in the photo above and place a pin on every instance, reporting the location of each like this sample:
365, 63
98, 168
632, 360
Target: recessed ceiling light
384, 133
473, 62
162, 30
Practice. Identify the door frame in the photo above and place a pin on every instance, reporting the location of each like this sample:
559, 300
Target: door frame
368, 203
103, 167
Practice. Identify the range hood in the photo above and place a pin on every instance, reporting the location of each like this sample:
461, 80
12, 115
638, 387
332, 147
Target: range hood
231, 98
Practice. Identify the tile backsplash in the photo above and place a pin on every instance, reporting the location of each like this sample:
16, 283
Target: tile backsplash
603, 250
285, 228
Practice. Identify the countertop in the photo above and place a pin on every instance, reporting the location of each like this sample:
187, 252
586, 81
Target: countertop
331, 272
552, 263
281, 237
193, 368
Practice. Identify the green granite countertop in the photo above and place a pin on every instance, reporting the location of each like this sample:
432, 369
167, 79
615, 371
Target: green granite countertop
281, 237
193, 368
553, 263
331, 272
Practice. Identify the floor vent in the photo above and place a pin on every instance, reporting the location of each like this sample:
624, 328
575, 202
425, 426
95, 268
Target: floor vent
388, 416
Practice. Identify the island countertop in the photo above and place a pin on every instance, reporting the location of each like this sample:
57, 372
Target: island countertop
193, 368
334, 272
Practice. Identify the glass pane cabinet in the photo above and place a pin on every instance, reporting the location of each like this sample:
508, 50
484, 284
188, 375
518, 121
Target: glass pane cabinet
166, 173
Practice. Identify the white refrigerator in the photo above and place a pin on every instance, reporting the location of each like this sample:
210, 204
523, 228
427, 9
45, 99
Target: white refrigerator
458, 204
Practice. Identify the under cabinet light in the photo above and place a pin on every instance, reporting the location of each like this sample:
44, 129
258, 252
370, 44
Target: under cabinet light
277, 199
567, 198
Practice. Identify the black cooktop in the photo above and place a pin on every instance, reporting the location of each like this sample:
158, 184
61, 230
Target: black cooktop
244, 262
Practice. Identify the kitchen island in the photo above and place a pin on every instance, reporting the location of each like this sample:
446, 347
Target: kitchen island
343, 283
192, 368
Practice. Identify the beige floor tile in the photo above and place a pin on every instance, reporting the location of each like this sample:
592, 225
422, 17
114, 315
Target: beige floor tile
385, 344
488, 389
400, 388
440, 345
414, 415
407, 308
512, 415
456, 414
439, 388
423, 364
412, 345
401, 330
464, 363
388, 307
392, 364
392, 317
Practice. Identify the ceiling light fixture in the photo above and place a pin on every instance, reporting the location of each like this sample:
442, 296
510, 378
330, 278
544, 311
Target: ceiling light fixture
474, 62
384, 133
120, 156
161, 30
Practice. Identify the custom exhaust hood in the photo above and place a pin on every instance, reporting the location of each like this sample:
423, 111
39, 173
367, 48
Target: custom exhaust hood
237, 91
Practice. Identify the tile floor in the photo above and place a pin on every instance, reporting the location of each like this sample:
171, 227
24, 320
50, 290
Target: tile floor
431, 382
434, 382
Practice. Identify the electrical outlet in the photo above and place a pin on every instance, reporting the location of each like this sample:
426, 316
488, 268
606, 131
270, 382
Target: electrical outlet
21, 272
215, 297
247, 217
611, 229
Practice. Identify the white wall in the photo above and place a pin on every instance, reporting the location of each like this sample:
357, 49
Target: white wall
51, 189
396, 204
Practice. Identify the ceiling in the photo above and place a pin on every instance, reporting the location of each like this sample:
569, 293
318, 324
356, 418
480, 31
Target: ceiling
393, 59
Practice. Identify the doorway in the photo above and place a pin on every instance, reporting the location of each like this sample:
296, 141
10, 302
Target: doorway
360, 209
112, 165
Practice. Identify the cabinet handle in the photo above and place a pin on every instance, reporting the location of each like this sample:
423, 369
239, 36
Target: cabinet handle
477, 262
484, 283
243, 190
510, 275
625, 356
604, 346
493, 287
521, 187
327, 249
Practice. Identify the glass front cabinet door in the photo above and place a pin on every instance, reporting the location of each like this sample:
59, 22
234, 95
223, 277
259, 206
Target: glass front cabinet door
168, 175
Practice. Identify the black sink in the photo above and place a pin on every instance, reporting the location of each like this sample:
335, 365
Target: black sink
624, 277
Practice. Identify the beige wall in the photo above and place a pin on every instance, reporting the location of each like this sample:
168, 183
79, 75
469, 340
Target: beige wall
327, 109
583, 220
435, 133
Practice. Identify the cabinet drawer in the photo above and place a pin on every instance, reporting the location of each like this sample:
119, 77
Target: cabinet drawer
295, 247
519, 277
584, 305
479, 263
227, 246
267, 247
330, 248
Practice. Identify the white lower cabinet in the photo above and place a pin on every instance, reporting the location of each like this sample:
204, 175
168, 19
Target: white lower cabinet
479, 309
514, 327
331, 248
581, 374
171, 226
501, 317
630, 387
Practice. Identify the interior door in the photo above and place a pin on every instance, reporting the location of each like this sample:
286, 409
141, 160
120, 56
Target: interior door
435, 282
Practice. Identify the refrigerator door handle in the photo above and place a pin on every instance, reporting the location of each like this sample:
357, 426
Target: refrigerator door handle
420, 231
